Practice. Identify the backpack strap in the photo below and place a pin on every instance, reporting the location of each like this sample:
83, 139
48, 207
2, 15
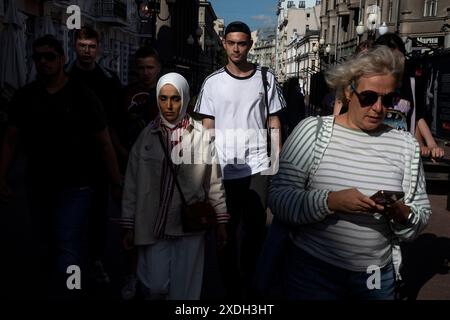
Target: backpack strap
266, 102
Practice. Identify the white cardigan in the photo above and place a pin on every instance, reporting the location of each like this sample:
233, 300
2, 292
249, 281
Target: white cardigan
141, 196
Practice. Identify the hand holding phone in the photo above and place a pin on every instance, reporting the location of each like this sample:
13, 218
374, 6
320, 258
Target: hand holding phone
387, 198
394, 209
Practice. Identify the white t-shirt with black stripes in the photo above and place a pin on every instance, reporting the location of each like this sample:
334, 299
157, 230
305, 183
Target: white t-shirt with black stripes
237, 106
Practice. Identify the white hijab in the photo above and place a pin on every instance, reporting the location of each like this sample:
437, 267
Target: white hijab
182, 86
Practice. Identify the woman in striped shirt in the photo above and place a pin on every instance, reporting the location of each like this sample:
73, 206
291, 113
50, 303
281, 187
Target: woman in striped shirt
341, 240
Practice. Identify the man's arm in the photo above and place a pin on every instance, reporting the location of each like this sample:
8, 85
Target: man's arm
275, 123
109, 156
121, 151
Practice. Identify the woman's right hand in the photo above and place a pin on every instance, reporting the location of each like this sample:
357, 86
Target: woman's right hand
352, 201
128, 240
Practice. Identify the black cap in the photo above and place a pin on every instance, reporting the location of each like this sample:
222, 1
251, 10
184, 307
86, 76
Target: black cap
237, 26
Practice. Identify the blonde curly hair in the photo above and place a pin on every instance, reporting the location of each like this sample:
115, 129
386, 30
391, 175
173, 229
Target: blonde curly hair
377, 61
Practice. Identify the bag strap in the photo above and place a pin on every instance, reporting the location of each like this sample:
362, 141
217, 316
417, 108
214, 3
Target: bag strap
318, 128
172, 169
266, 102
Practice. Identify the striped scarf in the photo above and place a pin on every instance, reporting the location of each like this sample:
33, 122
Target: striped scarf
171, 138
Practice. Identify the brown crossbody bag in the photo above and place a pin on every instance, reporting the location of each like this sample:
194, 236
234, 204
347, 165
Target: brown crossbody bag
195, 217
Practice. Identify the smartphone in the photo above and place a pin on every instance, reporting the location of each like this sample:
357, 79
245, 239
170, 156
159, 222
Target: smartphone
385, 197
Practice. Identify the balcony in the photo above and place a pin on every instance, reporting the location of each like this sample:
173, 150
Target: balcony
113, 12
353, 4
342, 9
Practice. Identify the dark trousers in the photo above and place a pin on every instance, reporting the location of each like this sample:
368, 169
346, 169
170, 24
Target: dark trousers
309, 278
59, 226
98, 224
238, 259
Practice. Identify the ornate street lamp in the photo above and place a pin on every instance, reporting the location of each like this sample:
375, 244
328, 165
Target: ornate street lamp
372, 24
360, 29
327, 52
150, 9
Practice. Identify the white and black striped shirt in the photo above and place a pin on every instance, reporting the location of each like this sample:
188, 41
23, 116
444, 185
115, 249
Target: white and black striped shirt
339, 159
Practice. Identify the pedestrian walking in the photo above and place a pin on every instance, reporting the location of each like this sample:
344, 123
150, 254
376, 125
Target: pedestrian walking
170, 259
330, 170
106, 86
237, 101
62, 128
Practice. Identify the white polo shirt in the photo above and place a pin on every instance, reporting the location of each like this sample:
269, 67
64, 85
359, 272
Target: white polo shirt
237, 106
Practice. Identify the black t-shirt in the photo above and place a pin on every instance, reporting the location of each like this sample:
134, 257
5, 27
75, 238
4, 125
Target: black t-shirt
138, 109
58, 132
106, 86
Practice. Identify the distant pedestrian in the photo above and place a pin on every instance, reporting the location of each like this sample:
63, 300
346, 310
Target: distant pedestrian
106, 86
139, 107
295, 104
409, 113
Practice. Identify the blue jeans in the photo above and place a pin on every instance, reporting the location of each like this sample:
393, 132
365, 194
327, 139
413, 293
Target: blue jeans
309, 278
269, 270
60, 224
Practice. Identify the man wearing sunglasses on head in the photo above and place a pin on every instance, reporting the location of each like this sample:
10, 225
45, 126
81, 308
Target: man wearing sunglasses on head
61, 126
330, 167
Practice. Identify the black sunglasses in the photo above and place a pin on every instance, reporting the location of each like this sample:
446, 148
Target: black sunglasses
369, 98
49, 56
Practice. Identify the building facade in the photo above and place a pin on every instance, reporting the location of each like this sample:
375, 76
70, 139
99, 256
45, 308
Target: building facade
263, 50
294, 21
422, 24
122, 30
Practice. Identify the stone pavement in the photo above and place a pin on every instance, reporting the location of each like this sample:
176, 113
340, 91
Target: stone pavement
425, 266
432, 248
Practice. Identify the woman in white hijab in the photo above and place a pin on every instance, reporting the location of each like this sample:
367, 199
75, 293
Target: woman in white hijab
170, 261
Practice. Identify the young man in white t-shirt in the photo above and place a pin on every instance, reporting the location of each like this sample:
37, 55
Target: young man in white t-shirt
232, 101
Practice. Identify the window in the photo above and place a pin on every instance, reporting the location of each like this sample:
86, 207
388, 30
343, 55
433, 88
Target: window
333, 33
430, 9
307, 27
308, 15
390, 8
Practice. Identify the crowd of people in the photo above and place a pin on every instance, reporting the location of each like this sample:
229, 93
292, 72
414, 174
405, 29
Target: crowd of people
244, 151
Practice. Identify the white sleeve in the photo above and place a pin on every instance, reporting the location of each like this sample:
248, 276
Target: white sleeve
204, 104
275, 95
